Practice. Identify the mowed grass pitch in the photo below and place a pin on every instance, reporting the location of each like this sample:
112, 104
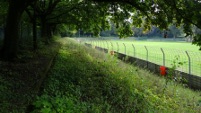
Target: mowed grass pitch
177, 52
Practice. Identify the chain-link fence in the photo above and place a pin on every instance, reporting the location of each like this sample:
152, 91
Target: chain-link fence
185, 61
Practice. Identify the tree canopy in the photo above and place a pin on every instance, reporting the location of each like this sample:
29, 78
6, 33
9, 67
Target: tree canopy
97, 15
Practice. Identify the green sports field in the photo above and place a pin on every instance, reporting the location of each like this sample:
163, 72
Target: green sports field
185, 55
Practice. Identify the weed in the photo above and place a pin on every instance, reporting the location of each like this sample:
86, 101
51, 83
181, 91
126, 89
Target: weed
174, 76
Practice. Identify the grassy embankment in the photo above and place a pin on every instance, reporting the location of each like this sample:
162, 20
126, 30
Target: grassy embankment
85, 80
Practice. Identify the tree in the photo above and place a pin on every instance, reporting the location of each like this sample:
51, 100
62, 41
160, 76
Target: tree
48, 14
94, 16
15, 10
33, 18
3, 12
41, 10
174, 30
161, 13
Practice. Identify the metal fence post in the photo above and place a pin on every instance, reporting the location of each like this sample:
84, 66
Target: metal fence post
99, 43
117, 46
107, 46
124, 48
93, 43
104, 44
133, 50
96, 43
189, 62
163, 56
147, 53
111, 45
80, 44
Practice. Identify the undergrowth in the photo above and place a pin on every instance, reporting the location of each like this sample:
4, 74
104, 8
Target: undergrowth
20, 78
85, 80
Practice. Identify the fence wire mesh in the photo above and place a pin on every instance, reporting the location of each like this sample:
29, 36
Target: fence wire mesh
186, 61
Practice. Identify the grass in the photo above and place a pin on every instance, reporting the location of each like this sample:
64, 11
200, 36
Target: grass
83, 80
172, 50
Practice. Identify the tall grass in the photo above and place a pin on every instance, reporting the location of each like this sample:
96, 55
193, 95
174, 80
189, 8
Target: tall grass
85, 80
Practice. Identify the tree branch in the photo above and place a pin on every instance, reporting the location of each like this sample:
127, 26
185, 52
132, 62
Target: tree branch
183, 15
67, 11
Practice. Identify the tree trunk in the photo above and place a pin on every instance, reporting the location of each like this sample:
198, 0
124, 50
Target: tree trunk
35, 46
49, 31
9, 50
44, 33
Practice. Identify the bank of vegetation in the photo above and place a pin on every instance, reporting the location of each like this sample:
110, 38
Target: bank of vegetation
85, 80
